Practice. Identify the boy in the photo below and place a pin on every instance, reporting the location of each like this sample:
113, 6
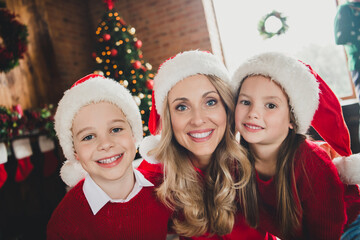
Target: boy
99, 128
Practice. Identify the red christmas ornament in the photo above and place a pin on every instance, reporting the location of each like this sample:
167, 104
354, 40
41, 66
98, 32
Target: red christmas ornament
143, 68
136, 64
114, 52
140, 56
109, 4
150, 84
106, 37
94, 55
138, 44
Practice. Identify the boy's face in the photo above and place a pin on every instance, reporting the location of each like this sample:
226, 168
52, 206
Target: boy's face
103, 141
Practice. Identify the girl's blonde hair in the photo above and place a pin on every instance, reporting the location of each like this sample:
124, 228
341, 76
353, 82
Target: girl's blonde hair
289, 210
208, 204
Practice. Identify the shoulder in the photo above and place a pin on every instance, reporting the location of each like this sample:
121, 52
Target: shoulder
316, 163
69, 205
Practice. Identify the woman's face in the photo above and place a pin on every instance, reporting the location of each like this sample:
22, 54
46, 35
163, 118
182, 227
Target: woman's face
198, 117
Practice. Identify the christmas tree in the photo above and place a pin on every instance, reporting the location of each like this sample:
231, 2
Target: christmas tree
119, 57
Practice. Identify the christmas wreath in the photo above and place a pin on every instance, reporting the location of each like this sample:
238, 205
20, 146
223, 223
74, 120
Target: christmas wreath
13, 42
269, 34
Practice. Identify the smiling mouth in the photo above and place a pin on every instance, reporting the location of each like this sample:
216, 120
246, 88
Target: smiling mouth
110, 160
254, 127
201, 135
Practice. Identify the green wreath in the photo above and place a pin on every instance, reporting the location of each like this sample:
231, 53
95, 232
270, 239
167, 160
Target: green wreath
267, 34
14, 42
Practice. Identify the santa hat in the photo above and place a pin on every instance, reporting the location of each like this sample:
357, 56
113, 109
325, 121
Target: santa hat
312, 102
90, 89
177, 68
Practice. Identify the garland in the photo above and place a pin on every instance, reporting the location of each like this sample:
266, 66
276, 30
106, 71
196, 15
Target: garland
262, 29
14, 44
15, 122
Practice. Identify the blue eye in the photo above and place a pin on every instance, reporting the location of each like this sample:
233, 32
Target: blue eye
211, 102
271, 106
245, 102
88, 138
181, 108
116, 130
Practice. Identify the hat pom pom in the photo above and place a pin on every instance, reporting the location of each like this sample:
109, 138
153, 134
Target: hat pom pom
72, 173
348, 168
147, 144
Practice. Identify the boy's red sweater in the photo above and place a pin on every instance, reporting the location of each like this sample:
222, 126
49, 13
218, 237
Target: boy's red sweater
143, 217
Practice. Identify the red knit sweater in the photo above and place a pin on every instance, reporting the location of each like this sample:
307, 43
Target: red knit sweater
241, 229
143, 217
327, 204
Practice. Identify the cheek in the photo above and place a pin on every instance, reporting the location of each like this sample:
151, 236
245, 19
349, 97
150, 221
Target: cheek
177, 124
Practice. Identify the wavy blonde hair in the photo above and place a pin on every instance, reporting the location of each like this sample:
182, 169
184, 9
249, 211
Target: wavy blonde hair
209, 204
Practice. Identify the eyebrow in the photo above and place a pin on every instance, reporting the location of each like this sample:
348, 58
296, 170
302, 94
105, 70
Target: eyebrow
267, 97
185, 99
89, 128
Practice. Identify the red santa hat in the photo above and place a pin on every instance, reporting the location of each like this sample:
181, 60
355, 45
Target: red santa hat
312, 102
90, 89
177, 68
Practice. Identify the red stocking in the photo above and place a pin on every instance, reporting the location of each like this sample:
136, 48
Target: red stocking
3, 160
50, 160
22, 151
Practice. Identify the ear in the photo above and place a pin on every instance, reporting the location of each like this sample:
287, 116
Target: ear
291, 126
76, 156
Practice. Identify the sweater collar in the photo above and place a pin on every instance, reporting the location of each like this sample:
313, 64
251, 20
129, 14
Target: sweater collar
97, 198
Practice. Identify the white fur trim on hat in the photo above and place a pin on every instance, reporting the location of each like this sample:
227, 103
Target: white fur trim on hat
348, 168
46, 144
293, 76
72, 172
3, 153
94, 90
147, 144
22, 148
184, 65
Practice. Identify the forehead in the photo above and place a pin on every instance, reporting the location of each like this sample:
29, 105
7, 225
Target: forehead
260, 82
195, 85
101, 111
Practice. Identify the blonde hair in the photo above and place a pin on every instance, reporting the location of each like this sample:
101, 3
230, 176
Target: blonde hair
207, 205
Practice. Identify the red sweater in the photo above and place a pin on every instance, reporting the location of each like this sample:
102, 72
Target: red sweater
241, 229
328, 205
143, 217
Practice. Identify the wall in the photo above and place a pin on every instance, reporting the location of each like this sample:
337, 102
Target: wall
62, 36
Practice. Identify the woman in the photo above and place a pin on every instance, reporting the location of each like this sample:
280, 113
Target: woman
197, 147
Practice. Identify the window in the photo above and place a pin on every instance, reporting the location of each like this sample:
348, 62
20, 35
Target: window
310, 36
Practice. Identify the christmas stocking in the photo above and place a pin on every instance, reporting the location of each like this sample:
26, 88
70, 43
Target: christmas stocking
50, 160
3, 160
22, 151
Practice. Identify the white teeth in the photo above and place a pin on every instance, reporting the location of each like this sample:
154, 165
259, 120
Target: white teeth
200, 135
252, 127
110, 160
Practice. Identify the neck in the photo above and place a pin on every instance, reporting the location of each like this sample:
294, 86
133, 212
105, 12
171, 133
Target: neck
201, 162
265, 158
119, 188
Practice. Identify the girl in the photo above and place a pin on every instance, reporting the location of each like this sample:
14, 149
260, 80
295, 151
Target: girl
197, 148
295, 189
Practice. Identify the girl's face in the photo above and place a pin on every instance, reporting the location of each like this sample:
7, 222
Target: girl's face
198, 116
262, 112
104, 142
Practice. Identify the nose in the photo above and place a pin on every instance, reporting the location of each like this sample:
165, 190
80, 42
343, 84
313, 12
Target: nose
105, 143
197, 117
253, 112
